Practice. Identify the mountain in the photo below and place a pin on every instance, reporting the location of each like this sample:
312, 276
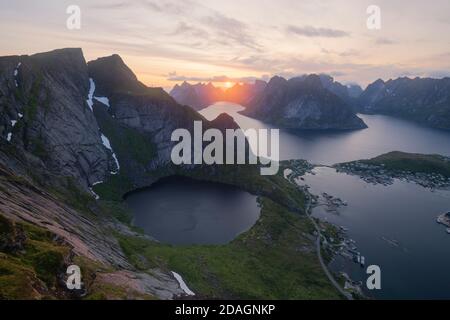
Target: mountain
354, 90
245, 92
138, 120
199, 96
302, 103
347, 93
44, 111
424, 100
68, 128
59, 139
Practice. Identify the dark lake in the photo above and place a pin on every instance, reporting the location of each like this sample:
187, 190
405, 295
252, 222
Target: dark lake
184, 211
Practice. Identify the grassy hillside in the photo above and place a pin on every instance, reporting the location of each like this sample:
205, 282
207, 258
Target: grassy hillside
416, 163
30, 261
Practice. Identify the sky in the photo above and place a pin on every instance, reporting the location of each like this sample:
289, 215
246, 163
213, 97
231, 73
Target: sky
168, 41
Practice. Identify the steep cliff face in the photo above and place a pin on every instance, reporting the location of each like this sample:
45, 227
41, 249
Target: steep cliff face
149, 113
303, 103
426, 101
43, 109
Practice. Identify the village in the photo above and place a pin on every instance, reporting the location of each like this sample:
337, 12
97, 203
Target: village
379, 174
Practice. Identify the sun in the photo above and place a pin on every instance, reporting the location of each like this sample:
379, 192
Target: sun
228, 85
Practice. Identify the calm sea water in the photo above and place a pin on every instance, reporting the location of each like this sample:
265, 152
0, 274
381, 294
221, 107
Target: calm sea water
183, 211
383, 135
377, 216
418, 264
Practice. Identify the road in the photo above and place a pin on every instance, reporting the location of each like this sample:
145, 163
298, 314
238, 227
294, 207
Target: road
347, 295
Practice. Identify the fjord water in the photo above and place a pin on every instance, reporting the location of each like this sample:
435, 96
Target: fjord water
183, 211
394, 226
384, 134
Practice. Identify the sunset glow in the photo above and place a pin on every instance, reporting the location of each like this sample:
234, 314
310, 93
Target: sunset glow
228, 85
167, 42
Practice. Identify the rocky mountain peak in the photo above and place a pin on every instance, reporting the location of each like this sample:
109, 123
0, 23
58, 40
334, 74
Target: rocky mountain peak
112, 75
52, 120
303, 103
276, 81
224, 121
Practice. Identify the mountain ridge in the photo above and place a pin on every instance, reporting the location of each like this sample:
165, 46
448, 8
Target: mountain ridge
303, 103
423, 100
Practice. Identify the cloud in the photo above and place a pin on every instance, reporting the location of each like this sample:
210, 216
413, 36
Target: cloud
439, 74
165, 6
337, 73
187, 29
106, 6
230, 29
346, 53
384, 41
173, 76
313, 32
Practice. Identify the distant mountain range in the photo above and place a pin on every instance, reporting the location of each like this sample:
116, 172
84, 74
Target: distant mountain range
199, 96
308, 102
424, 100
286, 102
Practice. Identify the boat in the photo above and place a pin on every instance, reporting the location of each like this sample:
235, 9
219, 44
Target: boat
448, 230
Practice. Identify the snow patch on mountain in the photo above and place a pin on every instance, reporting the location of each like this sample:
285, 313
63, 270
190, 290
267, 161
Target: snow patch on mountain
16, 72
13, 124
96, 196
103, 100
182, 284
107, 145
89, 100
